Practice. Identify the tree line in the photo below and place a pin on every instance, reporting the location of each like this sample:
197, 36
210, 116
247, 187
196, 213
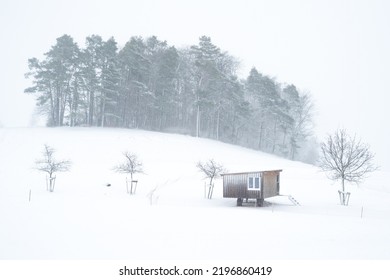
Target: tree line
148, 84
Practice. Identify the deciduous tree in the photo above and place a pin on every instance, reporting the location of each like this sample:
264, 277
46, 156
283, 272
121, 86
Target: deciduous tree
212, 170
50, 165
346, 158
131, 165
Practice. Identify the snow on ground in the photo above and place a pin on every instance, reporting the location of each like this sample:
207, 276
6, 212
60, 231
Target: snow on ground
85, 219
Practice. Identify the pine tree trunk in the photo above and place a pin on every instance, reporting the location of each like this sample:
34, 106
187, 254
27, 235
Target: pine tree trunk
197, 121
103, 110
57, 112
274, 139
91, 107
261, 136
218, 122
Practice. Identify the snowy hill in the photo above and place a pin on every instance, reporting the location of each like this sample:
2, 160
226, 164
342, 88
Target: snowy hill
85, 219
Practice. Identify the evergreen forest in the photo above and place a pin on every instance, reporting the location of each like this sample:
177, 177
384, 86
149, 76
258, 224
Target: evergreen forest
149, 84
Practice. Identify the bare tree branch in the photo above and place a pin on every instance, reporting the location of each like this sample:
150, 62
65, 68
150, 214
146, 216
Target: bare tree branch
50, 165
346, 158
132, 165
212, 170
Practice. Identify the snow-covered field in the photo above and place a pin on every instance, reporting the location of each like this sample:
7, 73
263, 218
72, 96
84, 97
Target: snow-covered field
85, 219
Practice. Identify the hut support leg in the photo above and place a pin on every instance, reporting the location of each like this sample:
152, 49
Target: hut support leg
259, 202
239, 201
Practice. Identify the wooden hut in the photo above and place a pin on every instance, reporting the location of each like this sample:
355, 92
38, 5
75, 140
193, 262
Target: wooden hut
251, 185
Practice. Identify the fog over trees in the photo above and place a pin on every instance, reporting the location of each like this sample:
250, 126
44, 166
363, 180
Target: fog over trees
151, 85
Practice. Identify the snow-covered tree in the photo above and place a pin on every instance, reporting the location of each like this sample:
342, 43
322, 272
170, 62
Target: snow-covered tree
206, 74
268, 110
151, 85
53, 79
109, 85
136, 98
300, 108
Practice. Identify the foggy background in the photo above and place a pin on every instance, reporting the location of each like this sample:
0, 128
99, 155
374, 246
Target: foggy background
338, 51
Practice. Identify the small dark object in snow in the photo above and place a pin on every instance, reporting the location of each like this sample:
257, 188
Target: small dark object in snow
108, 185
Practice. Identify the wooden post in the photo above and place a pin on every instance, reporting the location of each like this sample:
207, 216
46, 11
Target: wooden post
211, 189
133, 186
259, 202
52, 183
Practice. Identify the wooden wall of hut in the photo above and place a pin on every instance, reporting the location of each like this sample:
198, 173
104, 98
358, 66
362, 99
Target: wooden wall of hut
235, 185
270, 184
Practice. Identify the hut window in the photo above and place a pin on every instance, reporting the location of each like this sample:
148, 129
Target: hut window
254, 183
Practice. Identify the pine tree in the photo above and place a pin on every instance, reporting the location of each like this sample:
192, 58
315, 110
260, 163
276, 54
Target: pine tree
110, 77
135, 95
206, 75
164, 63
91, 73
53, 79
151, 85
300, 110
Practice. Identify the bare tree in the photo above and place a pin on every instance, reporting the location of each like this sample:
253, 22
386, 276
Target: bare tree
132, 165
211, 170
50, 165
346, 158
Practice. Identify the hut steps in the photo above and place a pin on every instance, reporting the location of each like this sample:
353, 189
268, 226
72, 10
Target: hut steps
293, 200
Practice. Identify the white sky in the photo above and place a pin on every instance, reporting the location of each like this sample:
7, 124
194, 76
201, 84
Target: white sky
337, 50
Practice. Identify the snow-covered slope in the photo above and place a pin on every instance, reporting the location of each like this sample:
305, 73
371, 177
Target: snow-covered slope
85, 219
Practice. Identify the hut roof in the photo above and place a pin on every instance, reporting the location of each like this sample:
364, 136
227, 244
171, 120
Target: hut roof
241, 173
